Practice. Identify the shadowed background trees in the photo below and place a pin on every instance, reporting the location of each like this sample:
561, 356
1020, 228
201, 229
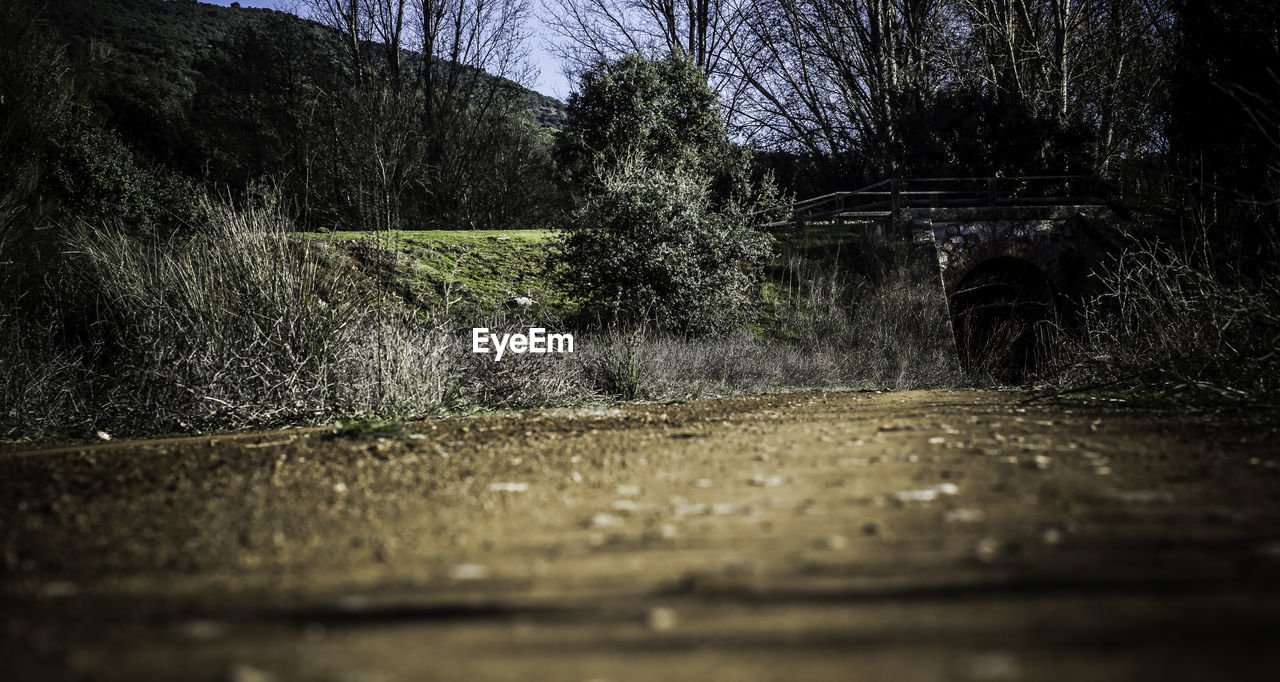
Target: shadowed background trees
348, 118
411, 113
1172, 101
390, 113
911, 87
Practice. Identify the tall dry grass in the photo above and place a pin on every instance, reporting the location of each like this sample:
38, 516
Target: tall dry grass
877, 321
1170, 323
879, 318
240, 325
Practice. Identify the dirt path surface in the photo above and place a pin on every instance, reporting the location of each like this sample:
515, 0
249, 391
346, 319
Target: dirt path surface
895, 536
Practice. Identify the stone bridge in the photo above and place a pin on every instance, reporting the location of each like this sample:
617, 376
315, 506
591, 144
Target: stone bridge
1013, 255
1061, 243
1007, 271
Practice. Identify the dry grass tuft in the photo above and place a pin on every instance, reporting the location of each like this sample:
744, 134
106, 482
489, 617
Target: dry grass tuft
1172, 324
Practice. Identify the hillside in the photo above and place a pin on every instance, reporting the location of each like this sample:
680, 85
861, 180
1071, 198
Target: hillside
142, 62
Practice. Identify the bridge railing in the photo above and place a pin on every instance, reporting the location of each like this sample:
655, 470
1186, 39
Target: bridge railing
888, 197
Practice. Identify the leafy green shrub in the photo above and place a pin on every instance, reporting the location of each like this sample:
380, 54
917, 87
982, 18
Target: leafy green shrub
648, 249
663, 111
99, 180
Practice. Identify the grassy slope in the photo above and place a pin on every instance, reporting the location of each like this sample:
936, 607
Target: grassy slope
479, 272
482, 271
472, 272
449, 236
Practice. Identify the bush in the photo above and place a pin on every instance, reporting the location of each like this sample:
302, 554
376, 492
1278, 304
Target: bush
648, 249
1167, 324
661, 109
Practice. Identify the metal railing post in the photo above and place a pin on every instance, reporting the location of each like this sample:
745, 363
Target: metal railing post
991, 192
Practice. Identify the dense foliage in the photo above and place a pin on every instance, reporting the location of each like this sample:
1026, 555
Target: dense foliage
237, 96
665, 228
59, 161
648, 248
662, 110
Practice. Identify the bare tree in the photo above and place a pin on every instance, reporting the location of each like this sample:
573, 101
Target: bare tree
387, 20
474, 54
449, 73
1091, 63
465, 42
1128, 84
349, 19
592, 31
836, 77
827, 76
1026, 51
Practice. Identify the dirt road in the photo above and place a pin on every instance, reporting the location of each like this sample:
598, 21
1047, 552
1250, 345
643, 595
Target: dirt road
895, 536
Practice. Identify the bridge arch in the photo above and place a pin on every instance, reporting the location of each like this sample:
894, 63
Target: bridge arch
1000, 310
1048, 261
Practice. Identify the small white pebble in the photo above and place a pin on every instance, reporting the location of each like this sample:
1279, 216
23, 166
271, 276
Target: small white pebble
202, 630
625, 507
963, 515
986, 550
247, 673
603, 520
835, 543
662, 618
468, 572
